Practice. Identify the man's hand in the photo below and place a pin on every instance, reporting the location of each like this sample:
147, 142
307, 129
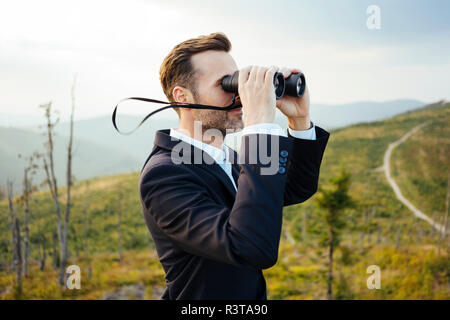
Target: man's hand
257, 94
294, 108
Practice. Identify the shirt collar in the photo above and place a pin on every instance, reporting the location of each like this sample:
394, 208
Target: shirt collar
219, 155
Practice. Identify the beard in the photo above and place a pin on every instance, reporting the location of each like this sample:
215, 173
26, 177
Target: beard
220, 120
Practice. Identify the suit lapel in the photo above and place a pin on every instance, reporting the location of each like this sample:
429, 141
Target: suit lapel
220, 174
165, 141
235, 169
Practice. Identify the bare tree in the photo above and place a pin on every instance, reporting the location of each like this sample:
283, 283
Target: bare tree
9, 190
49, 167
18, 261
42, 253
26, 244
28, 188
69, 180
55, 252
62, 226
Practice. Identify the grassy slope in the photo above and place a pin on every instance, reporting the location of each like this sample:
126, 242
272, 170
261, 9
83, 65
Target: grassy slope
421, 164
409, 271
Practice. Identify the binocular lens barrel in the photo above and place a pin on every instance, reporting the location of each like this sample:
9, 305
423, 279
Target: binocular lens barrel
293, 86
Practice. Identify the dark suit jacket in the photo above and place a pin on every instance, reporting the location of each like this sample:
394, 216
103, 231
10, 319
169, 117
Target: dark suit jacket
212, 241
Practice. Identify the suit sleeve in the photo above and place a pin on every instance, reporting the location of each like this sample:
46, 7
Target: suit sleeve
247, 234
304, 167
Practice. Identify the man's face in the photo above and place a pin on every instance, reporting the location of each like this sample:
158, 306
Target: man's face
210, 67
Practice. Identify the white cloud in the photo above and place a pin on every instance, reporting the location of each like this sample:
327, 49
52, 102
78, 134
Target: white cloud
116, 48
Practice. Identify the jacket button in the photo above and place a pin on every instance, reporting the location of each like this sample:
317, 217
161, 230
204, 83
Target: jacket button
283, 153
283, 160
281, 170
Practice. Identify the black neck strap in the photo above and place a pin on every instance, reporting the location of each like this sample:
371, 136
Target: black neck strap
175, 105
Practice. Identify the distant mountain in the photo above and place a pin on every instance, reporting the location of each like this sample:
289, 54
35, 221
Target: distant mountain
19, 121
337, 116
101, 150
90, 159
140, 143
101, 130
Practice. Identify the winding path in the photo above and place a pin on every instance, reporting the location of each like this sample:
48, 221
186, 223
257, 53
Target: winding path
387, 170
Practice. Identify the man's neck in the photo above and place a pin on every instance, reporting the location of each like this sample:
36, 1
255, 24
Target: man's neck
195, 132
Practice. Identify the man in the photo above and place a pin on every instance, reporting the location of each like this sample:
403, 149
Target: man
216, 224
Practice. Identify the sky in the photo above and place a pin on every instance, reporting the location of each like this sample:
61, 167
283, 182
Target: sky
115, 48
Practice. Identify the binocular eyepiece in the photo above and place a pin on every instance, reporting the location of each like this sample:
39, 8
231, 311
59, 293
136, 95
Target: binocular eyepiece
293, 86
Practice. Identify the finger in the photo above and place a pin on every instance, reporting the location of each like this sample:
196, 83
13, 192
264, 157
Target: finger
269, 75
259, 78
296, 70
243, 76
286, 72
252, 75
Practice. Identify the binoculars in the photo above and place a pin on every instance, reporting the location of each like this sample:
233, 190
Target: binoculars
293, 86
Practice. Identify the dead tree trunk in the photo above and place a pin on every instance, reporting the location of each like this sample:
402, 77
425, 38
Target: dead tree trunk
18, 262
9, 188
42, 253
28, 188
62, 226
64, 254
51, 177
26, 249
54, 252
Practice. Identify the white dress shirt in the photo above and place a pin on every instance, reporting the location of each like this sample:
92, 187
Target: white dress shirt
222, 156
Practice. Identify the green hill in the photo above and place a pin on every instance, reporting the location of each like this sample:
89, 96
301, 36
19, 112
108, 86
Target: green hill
91, 159
381, 231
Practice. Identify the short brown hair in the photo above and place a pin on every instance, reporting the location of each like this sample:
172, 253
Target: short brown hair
176, 69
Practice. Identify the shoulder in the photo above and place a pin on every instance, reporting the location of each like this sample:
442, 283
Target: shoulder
161, 169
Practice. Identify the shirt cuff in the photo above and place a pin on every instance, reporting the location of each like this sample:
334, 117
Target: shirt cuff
267, 128
309, 134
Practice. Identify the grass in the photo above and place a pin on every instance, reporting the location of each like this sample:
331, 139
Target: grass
381, 231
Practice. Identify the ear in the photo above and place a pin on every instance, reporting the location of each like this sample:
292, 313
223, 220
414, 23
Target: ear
181, 94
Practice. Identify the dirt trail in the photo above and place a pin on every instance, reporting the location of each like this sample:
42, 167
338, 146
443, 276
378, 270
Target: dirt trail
397, 191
